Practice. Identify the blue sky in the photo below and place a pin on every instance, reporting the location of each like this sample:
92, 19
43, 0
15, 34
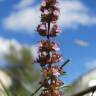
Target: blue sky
19, 18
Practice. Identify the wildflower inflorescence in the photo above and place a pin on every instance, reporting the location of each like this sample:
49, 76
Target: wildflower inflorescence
48, 50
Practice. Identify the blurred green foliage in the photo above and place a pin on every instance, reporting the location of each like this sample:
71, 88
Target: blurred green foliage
22, 71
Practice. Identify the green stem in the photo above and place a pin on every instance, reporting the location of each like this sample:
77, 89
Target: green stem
67, 61
36, 91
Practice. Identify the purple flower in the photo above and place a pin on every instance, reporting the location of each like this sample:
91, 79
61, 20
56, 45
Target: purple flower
56, 13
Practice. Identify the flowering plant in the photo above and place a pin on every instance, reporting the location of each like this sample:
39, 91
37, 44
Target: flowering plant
48, 50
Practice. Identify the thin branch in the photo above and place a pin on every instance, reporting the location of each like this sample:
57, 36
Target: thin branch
67, 61
36, 91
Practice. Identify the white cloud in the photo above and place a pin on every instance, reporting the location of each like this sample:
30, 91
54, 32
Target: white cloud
91, 64
34, 50
26, 19
81, 43
23, 4
72, 14
5, 45
5, 48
